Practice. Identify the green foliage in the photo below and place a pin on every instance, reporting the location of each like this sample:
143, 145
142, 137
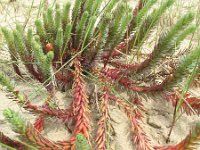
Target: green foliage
10, 41
189, 30
59, 42
66, 14
172, 39
19, 28
81, 28
110, 6
147, 24
122, 16
40, 30
44, 61
19, 44
5, 81
118, 16
89, 30
88, 6
29, 40
186, 65
103, 32
165, 41
67, 49
125, 21
48, 63
45, 22
144, 10
50, 19
96, 7
76, 11
58, 19
81, 143
67, 35
18, 124
31, 138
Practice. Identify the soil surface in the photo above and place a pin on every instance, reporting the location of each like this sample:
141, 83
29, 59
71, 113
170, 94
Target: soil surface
158, 115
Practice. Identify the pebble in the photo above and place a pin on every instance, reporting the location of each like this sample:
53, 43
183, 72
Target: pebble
154, 122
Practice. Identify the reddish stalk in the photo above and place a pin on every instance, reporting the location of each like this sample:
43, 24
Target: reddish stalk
64, 78
115, 74
102, 123
135, 115
191, 104
114, 53
39, 123
138, 7
13, 143
46, 110
16, 69
36, 74
133, 67
80, 104
34, 136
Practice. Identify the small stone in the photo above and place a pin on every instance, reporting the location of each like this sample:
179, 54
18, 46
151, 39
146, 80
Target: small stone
2, 121
154, 122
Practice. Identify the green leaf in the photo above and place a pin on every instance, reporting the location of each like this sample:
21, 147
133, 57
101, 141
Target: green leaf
19, 44
81, 143
59, 42
28, 41
58, 19
185, 66
90, 30
80, 31
144, 10
50, 19
40, 31
65, 15
5, 81
67, 35
18, 124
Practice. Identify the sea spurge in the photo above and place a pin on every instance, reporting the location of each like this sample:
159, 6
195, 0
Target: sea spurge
102, 123
66, 14
39, 123
5, 81
81, 142
27, 131
135, 115
12, 50
80, 103
70, 46
17, 122
13, 143
190, 103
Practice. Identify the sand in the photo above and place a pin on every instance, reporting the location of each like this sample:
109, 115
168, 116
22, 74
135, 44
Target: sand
158, 115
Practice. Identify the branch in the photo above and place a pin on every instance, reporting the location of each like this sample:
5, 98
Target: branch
15, 144
191, 104
28, 133
102, 123
135, 115
116, 74
80, 104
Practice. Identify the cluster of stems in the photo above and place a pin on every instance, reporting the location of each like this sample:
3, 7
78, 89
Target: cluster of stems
71, 46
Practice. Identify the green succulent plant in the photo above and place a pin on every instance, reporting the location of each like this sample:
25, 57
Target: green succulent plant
91, 44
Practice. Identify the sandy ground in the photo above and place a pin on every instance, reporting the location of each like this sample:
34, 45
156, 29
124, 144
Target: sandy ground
158, 113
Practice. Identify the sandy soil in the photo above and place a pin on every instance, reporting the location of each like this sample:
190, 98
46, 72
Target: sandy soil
158, 113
